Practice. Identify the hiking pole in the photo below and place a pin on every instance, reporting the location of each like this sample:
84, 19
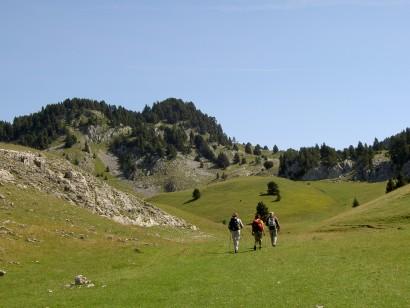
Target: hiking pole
229, 240
264, 244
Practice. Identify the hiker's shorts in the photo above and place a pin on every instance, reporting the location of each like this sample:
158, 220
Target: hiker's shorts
258, 235
273, 232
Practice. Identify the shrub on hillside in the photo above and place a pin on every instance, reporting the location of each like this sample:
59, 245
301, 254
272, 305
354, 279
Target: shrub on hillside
395, 183
273, 190
222, 161
236, 159
262, 210
196, 194
170, 185
70, 140
355, 203
268, 164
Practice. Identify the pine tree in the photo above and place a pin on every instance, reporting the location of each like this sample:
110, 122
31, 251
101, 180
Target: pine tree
248, 148
262, 210
236, 159
355, 203
222, 161
257, 150
390, 186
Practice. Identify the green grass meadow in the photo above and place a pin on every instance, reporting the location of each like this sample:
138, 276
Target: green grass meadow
329, 254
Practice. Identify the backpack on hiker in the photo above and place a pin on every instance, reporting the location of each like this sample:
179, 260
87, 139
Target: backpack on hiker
234, 224
271, 223
257, 225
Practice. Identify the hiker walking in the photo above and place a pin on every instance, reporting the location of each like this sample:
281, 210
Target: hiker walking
258, 231
273, 224
235, 226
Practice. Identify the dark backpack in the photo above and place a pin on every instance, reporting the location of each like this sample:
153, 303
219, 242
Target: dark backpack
233, 224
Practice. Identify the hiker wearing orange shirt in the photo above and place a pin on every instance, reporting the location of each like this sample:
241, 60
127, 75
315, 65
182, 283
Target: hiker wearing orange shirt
258, 231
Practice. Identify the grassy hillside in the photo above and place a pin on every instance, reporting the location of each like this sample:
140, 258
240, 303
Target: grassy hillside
388, 211
45, 242
302, 204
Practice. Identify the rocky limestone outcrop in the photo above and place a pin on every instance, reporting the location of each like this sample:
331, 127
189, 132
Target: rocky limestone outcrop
100, 134
182, 173
381, 171
320, 173
62, 179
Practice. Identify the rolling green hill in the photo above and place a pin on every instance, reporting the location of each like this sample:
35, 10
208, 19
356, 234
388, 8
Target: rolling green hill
302, 204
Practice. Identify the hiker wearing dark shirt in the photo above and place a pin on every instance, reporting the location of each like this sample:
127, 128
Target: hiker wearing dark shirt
235, 226
273, 224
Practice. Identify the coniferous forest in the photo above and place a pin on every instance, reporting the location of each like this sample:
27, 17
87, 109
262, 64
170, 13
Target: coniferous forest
184, 127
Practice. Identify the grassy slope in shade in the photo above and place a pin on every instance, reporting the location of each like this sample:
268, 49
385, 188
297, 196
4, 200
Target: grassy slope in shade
175, 268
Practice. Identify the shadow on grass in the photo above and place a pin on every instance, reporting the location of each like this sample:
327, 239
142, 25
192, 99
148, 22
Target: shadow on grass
190, 201
230, 252
266, 194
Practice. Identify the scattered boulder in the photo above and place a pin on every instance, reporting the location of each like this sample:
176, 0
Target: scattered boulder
2, 273
6, 176
69, 174
39, 163
81, 280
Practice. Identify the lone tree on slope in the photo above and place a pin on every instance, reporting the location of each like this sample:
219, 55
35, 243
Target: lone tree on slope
273, 189
196, 194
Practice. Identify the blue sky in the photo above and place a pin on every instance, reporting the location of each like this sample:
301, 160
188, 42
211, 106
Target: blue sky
286, 72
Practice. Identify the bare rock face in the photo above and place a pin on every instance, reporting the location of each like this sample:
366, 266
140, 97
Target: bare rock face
99, 134
320, 173
62, 179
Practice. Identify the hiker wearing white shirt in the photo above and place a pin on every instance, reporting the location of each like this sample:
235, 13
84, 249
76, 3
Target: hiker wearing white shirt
273, 224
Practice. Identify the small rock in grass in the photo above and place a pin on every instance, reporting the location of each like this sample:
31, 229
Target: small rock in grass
80, 280
50, 291
91, 285
2, 273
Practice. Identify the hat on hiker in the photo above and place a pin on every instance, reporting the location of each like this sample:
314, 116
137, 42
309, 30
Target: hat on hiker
235, 215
